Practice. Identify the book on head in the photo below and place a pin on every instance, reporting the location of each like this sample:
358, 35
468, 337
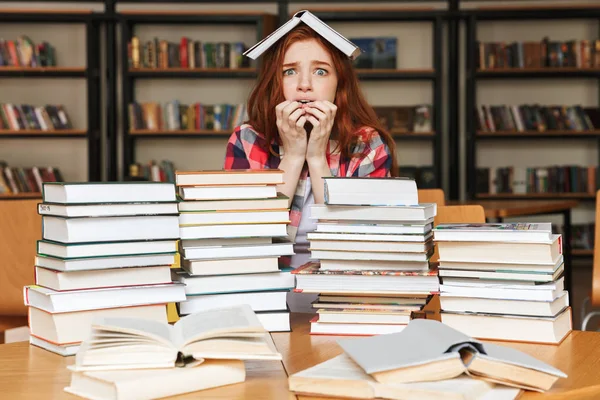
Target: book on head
233, 333
331, 35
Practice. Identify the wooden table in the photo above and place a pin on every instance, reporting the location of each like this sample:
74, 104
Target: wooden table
578, 356
27, 372
501, 209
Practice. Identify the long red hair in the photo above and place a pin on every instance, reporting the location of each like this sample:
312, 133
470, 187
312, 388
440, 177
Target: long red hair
353, 111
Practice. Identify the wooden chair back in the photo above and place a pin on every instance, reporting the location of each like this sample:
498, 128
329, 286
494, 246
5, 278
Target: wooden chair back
432, 196
20, 228
596, 271
459, 214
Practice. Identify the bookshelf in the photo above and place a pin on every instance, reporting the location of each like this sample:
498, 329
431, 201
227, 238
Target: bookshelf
89, 73
474, 78
261, 23
431, 76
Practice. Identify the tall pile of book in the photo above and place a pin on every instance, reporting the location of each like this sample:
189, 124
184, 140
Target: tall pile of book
106, 251
371, 248
503, 281
233, 229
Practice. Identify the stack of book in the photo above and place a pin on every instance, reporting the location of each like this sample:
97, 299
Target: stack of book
427, 360
106, 251
150, 360
233, 229
372, 246
503, 281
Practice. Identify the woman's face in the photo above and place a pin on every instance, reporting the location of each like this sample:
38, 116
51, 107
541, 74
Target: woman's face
308, 73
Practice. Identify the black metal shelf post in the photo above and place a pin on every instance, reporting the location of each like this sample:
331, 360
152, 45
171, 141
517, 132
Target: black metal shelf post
111, 98
90, 73
93, 101
470, 104
453, 103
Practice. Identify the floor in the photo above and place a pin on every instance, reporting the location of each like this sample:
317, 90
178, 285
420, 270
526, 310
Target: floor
582, 285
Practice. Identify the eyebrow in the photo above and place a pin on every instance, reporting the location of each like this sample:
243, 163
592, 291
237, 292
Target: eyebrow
318, 62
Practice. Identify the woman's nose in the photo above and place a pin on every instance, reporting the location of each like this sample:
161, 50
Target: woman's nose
304, 83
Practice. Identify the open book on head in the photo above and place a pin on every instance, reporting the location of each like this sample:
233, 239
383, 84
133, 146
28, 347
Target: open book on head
233, 333
328, 33
428, 350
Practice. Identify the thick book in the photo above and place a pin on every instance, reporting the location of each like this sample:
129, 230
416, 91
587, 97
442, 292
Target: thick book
229, 177
489, 232
141, 384
328, 33
81, 250
428, 350
114, 192
342, 377
417, 214
232, 333
107, 210
363, 191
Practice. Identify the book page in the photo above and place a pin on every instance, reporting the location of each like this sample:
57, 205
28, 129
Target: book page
340, 367
462, 387
512, 356
421, 342
158, 331
231, 321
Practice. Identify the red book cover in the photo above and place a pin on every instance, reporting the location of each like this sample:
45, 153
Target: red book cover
183, 53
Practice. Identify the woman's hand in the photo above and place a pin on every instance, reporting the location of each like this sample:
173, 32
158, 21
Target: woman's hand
321, 114
290, 124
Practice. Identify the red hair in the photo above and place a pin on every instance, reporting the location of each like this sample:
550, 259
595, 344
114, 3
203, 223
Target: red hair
353, 111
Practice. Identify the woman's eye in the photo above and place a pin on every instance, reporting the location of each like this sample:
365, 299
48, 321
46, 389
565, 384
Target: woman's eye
321, 71
288, 72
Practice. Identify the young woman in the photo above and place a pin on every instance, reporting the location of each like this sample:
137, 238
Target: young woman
308, 117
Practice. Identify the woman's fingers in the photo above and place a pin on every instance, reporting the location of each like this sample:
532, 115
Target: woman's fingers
279, 108
314, 121
300, 123
317, 113
326, 107
295, 115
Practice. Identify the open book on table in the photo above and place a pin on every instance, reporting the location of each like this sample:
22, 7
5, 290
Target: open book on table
428, 350
342, 377
233, 333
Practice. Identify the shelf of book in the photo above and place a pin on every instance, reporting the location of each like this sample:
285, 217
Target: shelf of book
550, 134
412, 135
23, 134
477, 73
52, 18
537, 11
547, 72
228, 73
20, 196
396, 74
180, 133
537, 196
227, 133
44, 72
582, 252
224, 73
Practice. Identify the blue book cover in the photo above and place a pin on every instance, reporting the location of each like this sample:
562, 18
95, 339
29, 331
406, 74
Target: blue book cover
384, 52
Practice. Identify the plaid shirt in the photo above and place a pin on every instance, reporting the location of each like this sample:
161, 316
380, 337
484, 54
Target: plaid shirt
246, 150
